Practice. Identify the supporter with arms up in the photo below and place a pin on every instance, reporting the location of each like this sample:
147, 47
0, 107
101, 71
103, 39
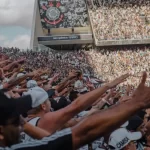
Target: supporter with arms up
85, 132
79, 84
52, 121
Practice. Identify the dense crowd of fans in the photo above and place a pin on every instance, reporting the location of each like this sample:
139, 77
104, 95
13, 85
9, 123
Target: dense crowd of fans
121, 20
84, 99
105, 64
59, 62
61, 109
110, 63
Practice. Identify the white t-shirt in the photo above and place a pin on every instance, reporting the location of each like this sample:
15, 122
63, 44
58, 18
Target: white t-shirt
25, 137
79, 84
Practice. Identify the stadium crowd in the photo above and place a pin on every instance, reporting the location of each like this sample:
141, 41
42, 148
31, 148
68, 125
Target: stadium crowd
121, 20
110, 63
103, 64
46, 103
52, 59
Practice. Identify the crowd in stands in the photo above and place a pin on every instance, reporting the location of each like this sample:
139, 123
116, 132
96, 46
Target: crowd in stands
104, 64
121, 20
63, 61
45, 94
110, 63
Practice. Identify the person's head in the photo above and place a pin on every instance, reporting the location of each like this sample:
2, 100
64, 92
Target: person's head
20, 75
47, 86
79, 75
121, 138
31, 84
73, 95
10, 123
41, 109
42, 103
130, 146
10, 131
134, 123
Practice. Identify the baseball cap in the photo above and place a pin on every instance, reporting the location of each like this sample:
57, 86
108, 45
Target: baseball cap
122, 137
39, 96
31, 84
20, 75
10, 107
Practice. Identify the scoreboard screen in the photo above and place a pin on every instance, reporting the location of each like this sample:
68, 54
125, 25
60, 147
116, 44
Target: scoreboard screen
63, 13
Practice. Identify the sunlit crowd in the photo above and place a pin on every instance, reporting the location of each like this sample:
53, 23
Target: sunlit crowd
121, 20
59, 103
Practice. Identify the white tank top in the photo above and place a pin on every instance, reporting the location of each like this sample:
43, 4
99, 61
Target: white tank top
25, 137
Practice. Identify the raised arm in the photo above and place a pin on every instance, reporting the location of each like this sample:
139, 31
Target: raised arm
53, 79
108, 120
35, 132
16, 81
4, 63
64, 83
9, 66
59, 118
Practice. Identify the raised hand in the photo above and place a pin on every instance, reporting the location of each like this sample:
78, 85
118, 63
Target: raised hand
56, 75
124, 99
65, 90
142, 93
72, 75
21, 60
117, 81
128, 90
90, 85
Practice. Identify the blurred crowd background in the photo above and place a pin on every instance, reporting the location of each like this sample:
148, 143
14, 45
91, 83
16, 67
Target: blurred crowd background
102, 63
121, 20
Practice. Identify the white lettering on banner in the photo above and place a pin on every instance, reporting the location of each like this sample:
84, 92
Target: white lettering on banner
122, 143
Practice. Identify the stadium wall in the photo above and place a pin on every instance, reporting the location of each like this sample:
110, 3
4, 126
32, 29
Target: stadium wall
41, 28
36, 27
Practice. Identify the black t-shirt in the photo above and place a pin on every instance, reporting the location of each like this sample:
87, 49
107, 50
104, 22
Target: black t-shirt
51, 93
134, 123
141, 114
61, 103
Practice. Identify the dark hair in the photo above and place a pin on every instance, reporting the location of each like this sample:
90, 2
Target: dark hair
7, 109
79, 73
62, 103
115, 100
73, 95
